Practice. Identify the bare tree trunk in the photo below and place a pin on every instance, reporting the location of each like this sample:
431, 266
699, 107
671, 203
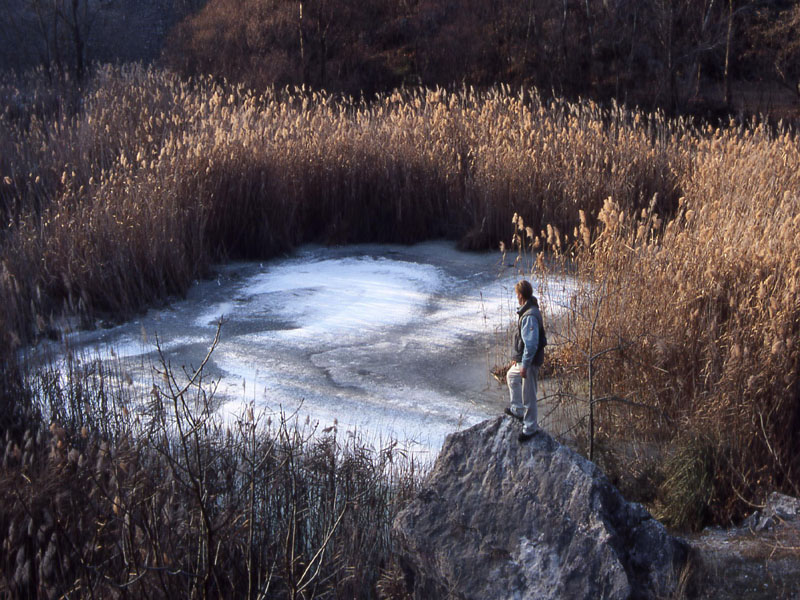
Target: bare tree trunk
698, 66
564, 56
590, 34
631, 56
302, 47
323, 58
669, 78
56, 54
63, 27
47, 57
728, 39
531, 26
78, 41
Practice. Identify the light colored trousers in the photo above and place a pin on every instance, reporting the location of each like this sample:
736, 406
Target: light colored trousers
523, 395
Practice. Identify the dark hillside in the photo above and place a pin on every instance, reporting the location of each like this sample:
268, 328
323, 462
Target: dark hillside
712, 58
704, 57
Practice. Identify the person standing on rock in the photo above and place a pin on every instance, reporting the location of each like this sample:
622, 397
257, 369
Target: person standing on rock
528, 349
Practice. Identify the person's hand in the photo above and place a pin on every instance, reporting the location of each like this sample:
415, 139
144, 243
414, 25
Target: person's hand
523, 372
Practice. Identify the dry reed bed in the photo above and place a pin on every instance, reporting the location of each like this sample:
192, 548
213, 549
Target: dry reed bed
705, 308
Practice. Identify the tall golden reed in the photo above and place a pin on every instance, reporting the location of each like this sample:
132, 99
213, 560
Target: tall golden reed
706, 309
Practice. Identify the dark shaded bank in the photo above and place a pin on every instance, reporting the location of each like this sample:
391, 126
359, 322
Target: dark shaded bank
759, 560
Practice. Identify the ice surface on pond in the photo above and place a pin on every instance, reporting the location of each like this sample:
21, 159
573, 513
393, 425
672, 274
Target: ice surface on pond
327, 299
394, 342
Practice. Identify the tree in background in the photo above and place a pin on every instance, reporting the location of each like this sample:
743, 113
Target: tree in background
655, 53
775, 44
320, 43
708, 56
67, 36
57, 30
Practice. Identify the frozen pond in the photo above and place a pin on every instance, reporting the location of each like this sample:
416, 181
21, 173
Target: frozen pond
394, 342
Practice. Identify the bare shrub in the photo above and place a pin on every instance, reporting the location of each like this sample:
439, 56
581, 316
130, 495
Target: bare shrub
169, 500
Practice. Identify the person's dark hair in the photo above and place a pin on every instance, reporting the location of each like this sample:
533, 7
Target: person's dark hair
525, 289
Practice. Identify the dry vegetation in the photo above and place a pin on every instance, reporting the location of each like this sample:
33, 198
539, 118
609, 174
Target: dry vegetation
708, 311
153, 496
123, 195
691, 320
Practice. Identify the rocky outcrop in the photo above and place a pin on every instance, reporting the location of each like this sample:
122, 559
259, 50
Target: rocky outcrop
779, 511
500, 519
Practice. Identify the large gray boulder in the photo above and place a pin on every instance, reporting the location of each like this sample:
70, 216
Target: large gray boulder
500, 519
